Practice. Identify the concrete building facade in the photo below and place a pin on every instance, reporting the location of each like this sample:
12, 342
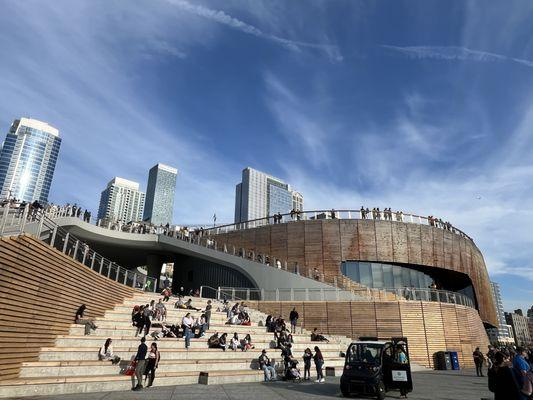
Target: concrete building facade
159, 204
121, 201
28, 158
260, 195
520, 327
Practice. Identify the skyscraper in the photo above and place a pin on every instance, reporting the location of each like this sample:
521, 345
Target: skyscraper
121, 201
260, 195
160, 194
28, 159
504, 332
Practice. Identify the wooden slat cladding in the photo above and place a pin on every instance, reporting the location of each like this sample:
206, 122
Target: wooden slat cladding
324, 244
40, 291
430, 327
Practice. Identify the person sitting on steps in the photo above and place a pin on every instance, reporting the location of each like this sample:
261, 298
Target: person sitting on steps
106, 353
80, 320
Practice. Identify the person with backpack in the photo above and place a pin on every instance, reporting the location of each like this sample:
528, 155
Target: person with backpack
479, 359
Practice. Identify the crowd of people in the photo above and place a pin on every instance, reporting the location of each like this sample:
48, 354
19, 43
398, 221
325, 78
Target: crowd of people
146, 317
509, 370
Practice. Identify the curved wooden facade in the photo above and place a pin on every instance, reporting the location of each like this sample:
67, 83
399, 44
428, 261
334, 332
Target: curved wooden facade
324, 244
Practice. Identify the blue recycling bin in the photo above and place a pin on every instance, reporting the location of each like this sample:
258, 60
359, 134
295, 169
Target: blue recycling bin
454, 359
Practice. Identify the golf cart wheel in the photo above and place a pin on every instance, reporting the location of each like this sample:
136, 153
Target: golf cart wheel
381, 391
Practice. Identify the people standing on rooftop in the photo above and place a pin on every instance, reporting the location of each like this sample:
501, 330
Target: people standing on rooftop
152, 364
362, 212
80, 320
140, 359
333, 214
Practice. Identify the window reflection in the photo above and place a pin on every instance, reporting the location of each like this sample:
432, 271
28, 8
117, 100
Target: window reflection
378, 275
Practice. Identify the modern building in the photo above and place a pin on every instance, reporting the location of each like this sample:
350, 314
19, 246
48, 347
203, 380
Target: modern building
260, 195
121, 201
28, 159
520, 327
503, 333
530, 313
160, 192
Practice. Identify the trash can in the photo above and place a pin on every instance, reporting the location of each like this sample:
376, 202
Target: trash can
443, 360
455, 360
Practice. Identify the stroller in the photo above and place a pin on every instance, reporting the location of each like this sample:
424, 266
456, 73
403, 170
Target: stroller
292, 373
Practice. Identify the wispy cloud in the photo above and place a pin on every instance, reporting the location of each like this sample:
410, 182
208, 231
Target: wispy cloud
454, 53
225, 19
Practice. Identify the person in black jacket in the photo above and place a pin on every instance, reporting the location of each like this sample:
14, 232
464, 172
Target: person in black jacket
79, 319
140, 357
502, 380
293, 317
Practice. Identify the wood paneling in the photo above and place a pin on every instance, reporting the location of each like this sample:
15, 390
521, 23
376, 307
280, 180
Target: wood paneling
399, 240
384, 238
429, 327
324, 244
414, 240
45, 288
367, 240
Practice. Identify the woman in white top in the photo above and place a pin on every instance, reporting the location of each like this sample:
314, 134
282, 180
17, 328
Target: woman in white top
187, 322
152, 363
235, 342
106, 353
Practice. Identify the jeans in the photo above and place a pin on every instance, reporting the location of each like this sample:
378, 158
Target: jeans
88, 325
139, 371
479, 369
203, 328
270, 372
187, 335
319, 365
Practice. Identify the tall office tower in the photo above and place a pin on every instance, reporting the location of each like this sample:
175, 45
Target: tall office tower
260, 195
160, 194
28, 159
520, 327
504, 332
121, 201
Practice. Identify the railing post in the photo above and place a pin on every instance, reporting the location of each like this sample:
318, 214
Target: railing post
24, 217
53, 239
101, 265
4, 218
125, 276
155, 285
109, 269
93, 258
118, 273
76, 250
40, 228
66, 243
134, 284
218, 293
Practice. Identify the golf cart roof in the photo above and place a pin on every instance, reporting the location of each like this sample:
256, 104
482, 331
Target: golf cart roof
382, 343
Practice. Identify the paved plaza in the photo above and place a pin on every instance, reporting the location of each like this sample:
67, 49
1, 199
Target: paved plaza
428, 385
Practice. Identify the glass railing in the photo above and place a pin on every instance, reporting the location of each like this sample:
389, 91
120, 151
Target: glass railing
25, 219
398, 216
319, 294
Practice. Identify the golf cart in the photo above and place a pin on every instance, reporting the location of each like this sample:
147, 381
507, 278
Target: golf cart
374, 367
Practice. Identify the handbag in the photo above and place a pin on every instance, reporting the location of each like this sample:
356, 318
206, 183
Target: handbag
130, 369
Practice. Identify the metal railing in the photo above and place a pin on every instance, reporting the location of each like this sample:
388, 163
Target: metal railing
322, 294
398, 216
20, 220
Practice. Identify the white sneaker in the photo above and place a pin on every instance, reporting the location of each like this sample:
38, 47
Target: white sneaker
317, 381
322, 380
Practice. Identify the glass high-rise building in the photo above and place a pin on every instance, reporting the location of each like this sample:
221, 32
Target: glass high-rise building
28, 159
260, 195
121, 201
503, 333
160, 192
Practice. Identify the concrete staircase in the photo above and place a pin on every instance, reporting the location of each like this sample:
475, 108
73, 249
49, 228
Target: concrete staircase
72, 365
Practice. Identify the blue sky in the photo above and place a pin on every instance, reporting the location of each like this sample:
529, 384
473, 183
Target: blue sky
424, 106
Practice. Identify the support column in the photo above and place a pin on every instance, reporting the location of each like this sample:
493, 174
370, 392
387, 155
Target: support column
154, 263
